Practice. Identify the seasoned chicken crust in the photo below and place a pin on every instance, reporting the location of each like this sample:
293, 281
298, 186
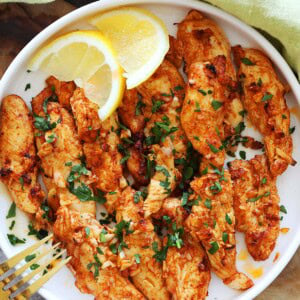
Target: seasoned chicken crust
263, 98
256, 205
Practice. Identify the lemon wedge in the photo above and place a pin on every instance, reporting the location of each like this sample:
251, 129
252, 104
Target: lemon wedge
88, 58
140, 39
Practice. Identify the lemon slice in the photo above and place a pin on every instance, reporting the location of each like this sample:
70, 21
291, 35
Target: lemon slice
139, 38
87, 58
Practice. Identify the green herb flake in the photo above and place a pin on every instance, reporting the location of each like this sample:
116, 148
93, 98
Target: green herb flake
102, 236
87, 231
27, 87
283, 209
197, 107
137, 258
242, 113
137, 196
99, 251
112, 193
228, 219
138, 108
242, 154
264, 180
246, 61
240, 128
205, 171
266, 97
212, 147
178, 88
196, 138
34, 266
266, 194
284, 116
12, 211
30, 257
12, 225
292, 129
202, 92
259, 82
216, 104
207, 203
214, 247
184, 198
15, 240
225, 237
216, 187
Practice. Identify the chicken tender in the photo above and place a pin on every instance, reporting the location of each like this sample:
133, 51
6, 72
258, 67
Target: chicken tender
64, 90
104, 160
186, 270
164, 180
93, 263
256, 205
18, 160
203, 112
59, 149
86, 116
200, 39
146, 272
263, 98
212, 223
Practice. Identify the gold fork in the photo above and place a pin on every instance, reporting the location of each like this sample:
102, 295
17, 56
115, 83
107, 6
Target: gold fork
14, 287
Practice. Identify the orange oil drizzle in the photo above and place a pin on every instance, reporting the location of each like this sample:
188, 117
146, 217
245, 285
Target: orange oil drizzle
243, 255
284, 230
295, 110
254, 272
276, 257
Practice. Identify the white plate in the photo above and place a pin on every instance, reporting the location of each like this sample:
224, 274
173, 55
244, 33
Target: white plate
171, 11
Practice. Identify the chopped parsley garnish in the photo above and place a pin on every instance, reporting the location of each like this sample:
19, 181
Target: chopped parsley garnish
68, 164
266, 97
207, 203
27, 87
140, 104
102, 235
205, 171
34, 266
30, 257
96, 264
178, 88
99, 250
12, 225
216, 104
50, 139
40, 234
87, 231
284, 116
156, 105
225, 237
137, 196
243, 113
43, 124
283, 209
90, 128
137, 258
240, 128
149, 168
163, 170
212, 147
292, 130
197, 107
47, 211
184, 198
124, 159
246, 61
209, 92
202, 92
264, 180
214, 247
216, 188
167, 219
228, 219
242, 154
15, 240
196, 138
266, 194
12, 211
166, 185
112, 193
259, 82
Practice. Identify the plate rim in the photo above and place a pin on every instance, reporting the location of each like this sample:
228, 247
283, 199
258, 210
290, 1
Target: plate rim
264, 44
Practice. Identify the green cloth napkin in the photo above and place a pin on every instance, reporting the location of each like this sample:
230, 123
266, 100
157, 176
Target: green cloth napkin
278, 19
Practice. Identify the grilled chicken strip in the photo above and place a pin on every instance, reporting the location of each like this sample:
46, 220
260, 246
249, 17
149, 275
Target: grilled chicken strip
63, 90
186, 270
263, 98
256, 205
212, 223
66, 178
200, 39
104, 160
18, 160
86, 116
145, 272
93, 263
203, 112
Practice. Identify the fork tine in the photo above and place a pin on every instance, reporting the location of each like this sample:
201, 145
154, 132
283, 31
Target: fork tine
37, 270
10, 263
10, 283
43, 279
